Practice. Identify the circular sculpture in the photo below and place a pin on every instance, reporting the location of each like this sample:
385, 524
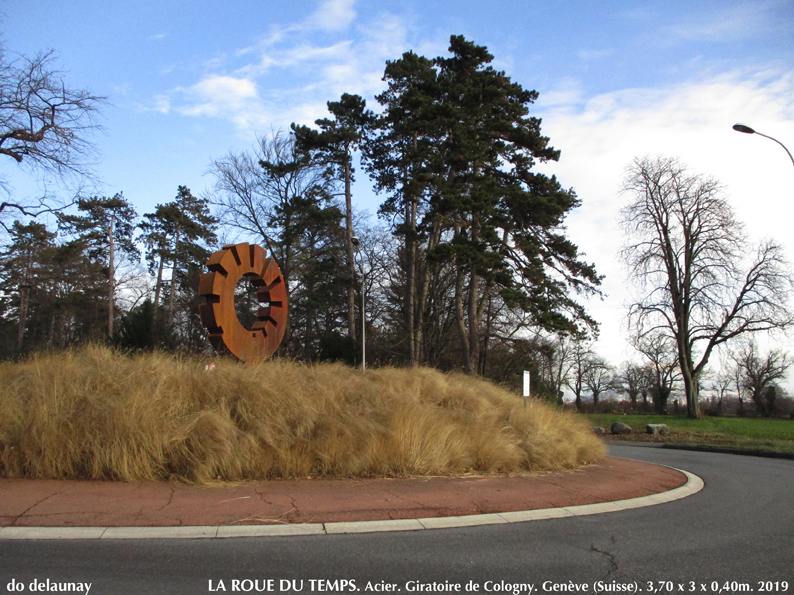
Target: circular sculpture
218, 315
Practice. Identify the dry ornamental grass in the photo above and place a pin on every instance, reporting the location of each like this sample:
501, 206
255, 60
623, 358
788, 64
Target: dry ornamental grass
99, 414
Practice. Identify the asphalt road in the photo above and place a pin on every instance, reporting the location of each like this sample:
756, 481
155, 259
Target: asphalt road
736, 535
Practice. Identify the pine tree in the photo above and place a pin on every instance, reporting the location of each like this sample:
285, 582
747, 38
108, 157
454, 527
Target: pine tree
23, 269
399, 153
505, 219
456, 147
178, 232
57, 292
106, 227
333, 146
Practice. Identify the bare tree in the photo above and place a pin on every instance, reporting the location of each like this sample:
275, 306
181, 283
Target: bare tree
663, 371
632, 379
721, 384
581, 357
758, 374
688, 256
598, 376
556, 363
276, 196
44, 126
265, 192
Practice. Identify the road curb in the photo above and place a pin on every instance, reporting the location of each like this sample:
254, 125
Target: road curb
693, 485
769, 454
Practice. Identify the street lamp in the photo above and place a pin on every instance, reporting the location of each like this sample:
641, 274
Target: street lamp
355, 241
748, 130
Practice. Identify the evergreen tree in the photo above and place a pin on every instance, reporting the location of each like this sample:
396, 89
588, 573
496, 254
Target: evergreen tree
317, 303
158, 229
24, 271
505, 219
194, 230
55, 292
455, 148
399, 153
333, 146
144, 329
105, 228
178, 232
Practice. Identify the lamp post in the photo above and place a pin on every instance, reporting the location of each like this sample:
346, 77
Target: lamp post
24, 299
748, 130
356, 242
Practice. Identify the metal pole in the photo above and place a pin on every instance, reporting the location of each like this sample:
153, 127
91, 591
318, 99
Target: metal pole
355, 241
748, 130
363, 319
24, 299
781, 144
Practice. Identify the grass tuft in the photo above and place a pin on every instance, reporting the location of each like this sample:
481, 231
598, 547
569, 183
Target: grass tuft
99, 414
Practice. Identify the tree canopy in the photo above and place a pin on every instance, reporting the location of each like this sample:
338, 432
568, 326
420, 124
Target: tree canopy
455, 148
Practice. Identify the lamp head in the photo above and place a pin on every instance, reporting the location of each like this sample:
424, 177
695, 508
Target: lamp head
743, 128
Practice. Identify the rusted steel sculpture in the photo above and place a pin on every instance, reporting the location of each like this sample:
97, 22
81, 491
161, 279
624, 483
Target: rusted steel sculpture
218, 315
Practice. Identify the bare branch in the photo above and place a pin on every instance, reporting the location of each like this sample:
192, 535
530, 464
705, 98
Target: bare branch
45, 127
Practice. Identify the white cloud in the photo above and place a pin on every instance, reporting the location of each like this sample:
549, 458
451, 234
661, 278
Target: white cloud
566, 92
590, 55
216, 95
332, 15
289, 76
306, 53
233, 98
734, 22
162, 104
599, 137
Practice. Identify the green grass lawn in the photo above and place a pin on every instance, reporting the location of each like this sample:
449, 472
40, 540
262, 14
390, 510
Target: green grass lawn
727, 432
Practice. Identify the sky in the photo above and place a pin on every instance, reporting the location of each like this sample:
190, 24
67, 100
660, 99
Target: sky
189, 81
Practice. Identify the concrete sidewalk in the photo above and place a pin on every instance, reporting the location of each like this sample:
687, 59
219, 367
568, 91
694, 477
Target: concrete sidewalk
314, 505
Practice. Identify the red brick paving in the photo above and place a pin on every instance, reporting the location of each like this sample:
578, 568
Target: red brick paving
57, 503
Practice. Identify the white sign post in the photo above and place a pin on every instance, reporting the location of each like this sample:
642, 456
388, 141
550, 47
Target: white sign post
526, 387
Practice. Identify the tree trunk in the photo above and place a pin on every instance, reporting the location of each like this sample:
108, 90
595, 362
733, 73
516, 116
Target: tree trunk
691, 390
51, 333
689, 372
460, 309
461, 317
173, 278
474, 308
473, 359
410, 266
159, 285
484, 349
760, 404
421, 299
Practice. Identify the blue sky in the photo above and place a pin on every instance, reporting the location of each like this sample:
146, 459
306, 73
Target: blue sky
189, 81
